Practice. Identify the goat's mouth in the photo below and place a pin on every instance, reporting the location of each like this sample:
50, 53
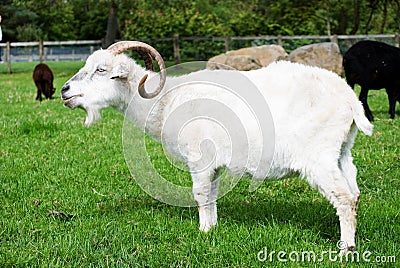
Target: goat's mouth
70, 100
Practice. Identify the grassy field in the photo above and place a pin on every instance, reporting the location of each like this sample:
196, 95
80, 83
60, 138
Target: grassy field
68, 199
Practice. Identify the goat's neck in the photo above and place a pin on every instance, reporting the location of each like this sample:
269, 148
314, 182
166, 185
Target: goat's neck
145, 113
148, 113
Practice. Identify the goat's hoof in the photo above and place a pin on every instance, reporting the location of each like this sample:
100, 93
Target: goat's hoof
207, 227
351, 249
343, 252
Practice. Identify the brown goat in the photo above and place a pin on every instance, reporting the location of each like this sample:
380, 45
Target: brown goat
43, 77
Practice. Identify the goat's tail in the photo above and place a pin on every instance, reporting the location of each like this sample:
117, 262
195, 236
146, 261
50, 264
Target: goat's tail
360, 119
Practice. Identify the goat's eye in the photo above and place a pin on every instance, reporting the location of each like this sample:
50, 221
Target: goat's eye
100, 70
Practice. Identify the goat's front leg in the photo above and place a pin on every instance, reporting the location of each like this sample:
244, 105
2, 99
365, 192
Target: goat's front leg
205, 192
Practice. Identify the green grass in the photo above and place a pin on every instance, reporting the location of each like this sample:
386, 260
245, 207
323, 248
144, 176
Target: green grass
50, 162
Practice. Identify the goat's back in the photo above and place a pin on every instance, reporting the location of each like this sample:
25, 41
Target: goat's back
43, 72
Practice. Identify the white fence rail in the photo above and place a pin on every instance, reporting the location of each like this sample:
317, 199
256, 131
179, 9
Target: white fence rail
48, 50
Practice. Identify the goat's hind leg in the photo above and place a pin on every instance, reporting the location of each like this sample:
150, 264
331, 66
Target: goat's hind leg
363, 98
39, 91
337, 189
346, 166
205, 192
349, 173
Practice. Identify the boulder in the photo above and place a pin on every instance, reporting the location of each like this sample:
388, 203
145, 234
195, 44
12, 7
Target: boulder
265, 54
249, 58
243, 62
234, 62
325, 55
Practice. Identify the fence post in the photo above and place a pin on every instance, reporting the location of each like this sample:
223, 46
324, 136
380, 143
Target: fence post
41, 51
227, 43
8, 57
177, 56
279, 39
334, 39
396, 40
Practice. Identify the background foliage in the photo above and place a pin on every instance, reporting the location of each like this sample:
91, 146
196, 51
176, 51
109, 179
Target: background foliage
30, 20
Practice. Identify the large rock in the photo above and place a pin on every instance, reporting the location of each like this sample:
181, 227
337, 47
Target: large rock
325, 55
265, 54
249, 58
234, 62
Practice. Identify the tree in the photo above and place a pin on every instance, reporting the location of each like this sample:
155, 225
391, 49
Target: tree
112, 24
26, 20
15, 16
396, 7
90, 18
356, 17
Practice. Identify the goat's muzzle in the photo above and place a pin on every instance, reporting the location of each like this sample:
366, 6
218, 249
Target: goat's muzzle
69, 99
65, 88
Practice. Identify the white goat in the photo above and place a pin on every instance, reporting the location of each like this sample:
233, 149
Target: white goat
315, 114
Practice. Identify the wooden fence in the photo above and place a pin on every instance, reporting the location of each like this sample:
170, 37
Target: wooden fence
47, 51
175, 48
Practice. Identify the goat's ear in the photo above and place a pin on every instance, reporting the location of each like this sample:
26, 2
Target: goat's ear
121, 71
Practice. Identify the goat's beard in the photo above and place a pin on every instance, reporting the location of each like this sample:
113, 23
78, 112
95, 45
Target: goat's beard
92, 116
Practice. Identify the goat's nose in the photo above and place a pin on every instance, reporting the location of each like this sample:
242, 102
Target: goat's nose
65, 88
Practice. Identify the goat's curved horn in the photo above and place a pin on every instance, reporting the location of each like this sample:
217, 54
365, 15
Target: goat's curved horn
147, 52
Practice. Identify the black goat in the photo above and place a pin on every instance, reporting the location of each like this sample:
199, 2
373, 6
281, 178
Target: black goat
43, 77
374, 65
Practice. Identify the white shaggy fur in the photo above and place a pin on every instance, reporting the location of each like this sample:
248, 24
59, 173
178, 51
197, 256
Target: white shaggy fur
315, 113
